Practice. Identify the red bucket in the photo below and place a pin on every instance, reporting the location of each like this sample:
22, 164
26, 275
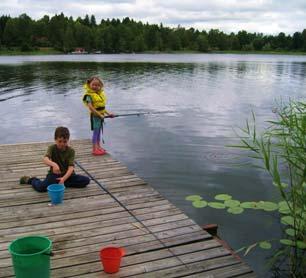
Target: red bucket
111, 258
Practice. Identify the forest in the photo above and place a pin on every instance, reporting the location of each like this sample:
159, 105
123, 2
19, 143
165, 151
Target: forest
65, 34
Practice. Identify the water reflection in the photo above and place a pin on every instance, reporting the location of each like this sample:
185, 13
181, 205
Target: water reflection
180, 154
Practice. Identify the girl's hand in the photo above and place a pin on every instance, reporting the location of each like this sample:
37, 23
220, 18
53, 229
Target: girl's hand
111, 115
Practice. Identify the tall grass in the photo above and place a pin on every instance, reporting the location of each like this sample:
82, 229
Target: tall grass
281, 149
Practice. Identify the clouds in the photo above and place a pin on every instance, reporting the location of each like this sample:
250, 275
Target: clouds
265, 16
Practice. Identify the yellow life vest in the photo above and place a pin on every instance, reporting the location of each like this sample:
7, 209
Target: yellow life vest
98, 99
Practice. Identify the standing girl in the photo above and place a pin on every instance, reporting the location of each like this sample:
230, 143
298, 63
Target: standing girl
95, 99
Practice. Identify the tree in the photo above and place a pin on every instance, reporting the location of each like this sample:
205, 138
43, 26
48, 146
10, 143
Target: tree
244, 38
297, 41
138, 44
202, 42
93, 22
56, 30
234, 42
10, 34
86, 21
153, 38
3, 21
25, 31
213, 37
105, 38
258, 43
126, 21
83, 36
281, 41
69, 40
304, 40
40, 32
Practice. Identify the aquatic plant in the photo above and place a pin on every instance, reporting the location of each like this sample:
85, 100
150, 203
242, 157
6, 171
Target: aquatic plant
281, 149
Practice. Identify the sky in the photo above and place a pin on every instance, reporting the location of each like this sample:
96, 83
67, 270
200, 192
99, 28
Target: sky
263, 16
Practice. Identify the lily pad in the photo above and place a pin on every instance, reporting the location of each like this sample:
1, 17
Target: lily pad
216, 205
287, 242
299, 192
287, 220
265, 245
301, 244
231, 203
290, 232
223, 197
282, 185
269, 206
249, 205
193, 198
283, 207
199, 204
282, 203
235, 210
260, 204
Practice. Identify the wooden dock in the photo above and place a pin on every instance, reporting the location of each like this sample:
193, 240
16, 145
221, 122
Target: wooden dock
159, 239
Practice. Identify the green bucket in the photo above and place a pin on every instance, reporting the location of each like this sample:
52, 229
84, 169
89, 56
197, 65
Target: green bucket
31, 256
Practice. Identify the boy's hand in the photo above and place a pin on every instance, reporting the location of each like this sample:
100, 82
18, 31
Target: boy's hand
111, 115
56, 169
60, 180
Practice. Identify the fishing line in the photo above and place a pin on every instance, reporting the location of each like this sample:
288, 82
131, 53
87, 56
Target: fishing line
134, 216
139, 114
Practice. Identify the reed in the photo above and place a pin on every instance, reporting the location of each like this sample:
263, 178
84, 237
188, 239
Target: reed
280, 149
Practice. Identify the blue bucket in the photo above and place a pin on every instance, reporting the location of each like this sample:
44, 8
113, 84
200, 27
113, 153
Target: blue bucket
56, 193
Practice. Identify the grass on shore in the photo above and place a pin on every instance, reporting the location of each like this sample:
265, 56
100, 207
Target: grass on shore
40, 51
268, 52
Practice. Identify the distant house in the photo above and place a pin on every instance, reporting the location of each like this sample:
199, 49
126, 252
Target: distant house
79, 50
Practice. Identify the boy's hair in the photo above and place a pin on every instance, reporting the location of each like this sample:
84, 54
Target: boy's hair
94, 78
61, 132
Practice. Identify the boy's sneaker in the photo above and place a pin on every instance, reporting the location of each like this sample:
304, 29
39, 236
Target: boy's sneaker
24, 180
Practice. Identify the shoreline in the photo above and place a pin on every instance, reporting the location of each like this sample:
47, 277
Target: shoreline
51, 51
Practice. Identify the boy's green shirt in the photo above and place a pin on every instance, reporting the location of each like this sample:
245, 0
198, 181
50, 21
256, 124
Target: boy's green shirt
63, 159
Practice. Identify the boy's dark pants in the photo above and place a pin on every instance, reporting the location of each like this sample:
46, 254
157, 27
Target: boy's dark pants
74, 180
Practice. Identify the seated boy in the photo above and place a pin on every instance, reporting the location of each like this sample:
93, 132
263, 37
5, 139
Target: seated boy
60, 158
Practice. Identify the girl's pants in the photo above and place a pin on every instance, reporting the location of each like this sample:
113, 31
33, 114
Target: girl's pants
96, 135
74, 180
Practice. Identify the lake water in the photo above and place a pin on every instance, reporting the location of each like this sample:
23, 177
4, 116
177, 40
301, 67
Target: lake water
179, 153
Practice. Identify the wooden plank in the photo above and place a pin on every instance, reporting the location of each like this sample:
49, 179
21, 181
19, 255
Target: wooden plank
42, 209
227, 271
54, 218
193, 268
248, 275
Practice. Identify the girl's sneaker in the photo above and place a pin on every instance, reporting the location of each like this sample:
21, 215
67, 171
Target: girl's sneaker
101, 149
98, 152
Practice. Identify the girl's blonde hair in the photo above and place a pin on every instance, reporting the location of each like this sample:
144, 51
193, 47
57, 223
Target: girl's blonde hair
95, 78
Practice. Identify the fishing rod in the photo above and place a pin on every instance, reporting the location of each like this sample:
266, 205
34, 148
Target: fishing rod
135, 217
138, 114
